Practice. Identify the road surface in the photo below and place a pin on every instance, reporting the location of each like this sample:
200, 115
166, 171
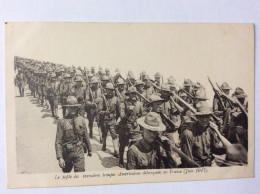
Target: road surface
35, 140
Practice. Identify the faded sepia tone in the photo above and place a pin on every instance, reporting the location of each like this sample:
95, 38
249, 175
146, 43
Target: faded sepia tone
222, 52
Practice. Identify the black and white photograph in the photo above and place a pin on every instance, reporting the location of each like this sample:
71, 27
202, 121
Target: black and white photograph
113, 103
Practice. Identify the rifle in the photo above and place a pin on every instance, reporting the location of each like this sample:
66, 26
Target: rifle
222, 106
192, 108
187, 93
231, 105
129, 81
117, 92
90, 91
180, 153
102, 91
236, 101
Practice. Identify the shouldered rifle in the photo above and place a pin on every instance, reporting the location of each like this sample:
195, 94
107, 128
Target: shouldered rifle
168, 148
222, 106
117, 92
154, 85
129, 81
223, 92
90, 91
182, 89
235, 101
192, 108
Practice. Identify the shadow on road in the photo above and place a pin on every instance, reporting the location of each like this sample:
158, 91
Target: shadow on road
18, 96
96, 147
40, 105
46, 115
45, 110
109, 162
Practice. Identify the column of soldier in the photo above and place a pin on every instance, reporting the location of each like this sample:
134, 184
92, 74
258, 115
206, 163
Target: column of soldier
163, 125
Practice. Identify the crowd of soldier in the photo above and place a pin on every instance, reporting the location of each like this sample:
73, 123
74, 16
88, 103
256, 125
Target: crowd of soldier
163, 125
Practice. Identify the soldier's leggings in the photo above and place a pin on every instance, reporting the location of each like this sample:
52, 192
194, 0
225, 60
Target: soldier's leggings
54, 106
123, 142
91, 118
105, 127
74, 158
21, 89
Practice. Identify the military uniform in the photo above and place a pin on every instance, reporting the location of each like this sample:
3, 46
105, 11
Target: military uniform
129, 131
53, 93
93, 99
150, 155
65, 91
21, 80
108, 115
199, 143
238, 131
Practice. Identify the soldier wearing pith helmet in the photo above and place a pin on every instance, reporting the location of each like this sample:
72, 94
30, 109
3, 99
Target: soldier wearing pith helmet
152, 151
108, 115
68, 144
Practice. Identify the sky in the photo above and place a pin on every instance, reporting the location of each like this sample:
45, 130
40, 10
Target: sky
225, 52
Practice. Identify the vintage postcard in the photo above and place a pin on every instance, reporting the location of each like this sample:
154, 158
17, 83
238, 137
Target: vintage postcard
117, 103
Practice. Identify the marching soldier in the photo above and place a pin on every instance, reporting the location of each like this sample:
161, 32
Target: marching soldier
198, 140
148, 87
157, 79
238, 132
148, 153
216, 102
21, 80
53, 93
108, 115
65, 91
69, 140
129, 132
130, 79
120, 85
139, 85
93, 98
171, 115
78, 90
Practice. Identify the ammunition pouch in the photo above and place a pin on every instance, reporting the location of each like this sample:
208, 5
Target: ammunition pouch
70, 146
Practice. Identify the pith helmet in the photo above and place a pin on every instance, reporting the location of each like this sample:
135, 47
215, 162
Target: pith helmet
120, 81
139, 82
201, 95
203, 108
155, 98
239, 93
157, 74
94, 80
131, 90
109, 86
165, 87
187, 82
104, 78
225, 86
72, 102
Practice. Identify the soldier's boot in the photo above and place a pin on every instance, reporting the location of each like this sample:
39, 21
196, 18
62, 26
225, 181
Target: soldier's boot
116, 147
104, 143
100, 135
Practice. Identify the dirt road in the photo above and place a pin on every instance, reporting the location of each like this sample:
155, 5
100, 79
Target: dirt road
35, 140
